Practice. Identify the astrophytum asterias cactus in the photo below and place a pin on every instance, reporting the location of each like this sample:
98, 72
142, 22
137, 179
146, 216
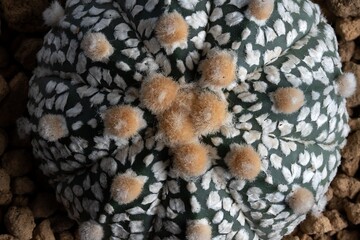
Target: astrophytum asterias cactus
188, 119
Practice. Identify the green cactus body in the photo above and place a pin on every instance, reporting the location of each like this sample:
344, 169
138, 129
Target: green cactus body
84, 146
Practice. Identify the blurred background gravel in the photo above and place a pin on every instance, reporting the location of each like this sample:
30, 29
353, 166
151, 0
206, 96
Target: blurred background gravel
28, 207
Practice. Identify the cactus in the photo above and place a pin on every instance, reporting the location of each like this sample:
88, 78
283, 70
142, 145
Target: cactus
189, 119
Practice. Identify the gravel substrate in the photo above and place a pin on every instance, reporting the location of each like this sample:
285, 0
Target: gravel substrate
28, 208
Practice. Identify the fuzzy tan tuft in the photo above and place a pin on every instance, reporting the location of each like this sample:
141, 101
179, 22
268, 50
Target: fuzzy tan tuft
198, 230
191, 160
126, 188
208, 113
301, 201
97, 47
158, 93
52, 127
53, 14
177, 126
171, 28
288, 100
261, 9
219, 69
122, 121
346, 84
243, 162
91, 230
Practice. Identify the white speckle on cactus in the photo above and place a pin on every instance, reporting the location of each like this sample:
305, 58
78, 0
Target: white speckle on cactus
91, 230
127, 187
198, 230
346, 84
53, 14
97, 47
301, 200
52, 127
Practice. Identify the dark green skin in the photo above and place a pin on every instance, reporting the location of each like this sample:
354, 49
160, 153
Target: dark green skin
91, 167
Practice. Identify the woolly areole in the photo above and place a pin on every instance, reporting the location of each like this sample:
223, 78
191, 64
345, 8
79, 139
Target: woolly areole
188, 119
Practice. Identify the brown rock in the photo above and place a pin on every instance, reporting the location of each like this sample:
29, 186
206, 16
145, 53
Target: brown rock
316, 225
24, 15
43, 231
61, 223
10, 71
354, 124
20, 201
4, 88
4, 181
44, 205
352, 148
26, 53
353, 212
66, 236
23, 185
3, 141
344, 8
5, 198
322, 237
350, 166
7, 237
14, 105
336, 203
17, 162
348, 29
337, 221
355, 68
348, 235
19, 221
329, 194
346, 50
345, 186
4, 57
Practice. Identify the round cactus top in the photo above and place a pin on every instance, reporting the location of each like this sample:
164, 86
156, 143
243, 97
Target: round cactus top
189, 119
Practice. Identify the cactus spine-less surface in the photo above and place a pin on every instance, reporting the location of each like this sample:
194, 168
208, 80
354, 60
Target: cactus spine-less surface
188, 119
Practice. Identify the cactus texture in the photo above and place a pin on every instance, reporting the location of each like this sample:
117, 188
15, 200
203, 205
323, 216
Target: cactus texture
188, 119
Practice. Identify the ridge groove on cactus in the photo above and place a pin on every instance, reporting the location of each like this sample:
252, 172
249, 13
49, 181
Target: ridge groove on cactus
189, 119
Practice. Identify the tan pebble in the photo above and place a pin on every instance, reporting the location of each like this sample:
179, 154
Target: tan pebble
23, 185
126, 188
344, 8
243, 162
91, 230
96, 46
345, 186
337, 221
329, 194
350, 166
20, 200
4, 88
44, 205
3, 141
17, 162
198, 230
66, 236
352, 148
5, 198
158, 93
313, 225
122, 121
354, 124
14, 106
171, 28
43, 231
261, 9
301, 200
346, 50
61, 223
353, 212
7, 237
219, 69
208, 113
348, 29
19, 221
26, 52
288, 100
191, 160
4, 181
348, 235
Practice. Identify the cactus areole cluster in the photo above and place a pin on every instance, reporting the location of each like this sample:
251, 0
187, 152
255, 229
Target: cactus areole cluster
188, 119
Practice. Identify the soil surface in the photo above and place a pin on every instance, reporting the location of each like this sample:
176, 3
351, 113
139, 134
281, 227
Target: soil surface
28, 207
